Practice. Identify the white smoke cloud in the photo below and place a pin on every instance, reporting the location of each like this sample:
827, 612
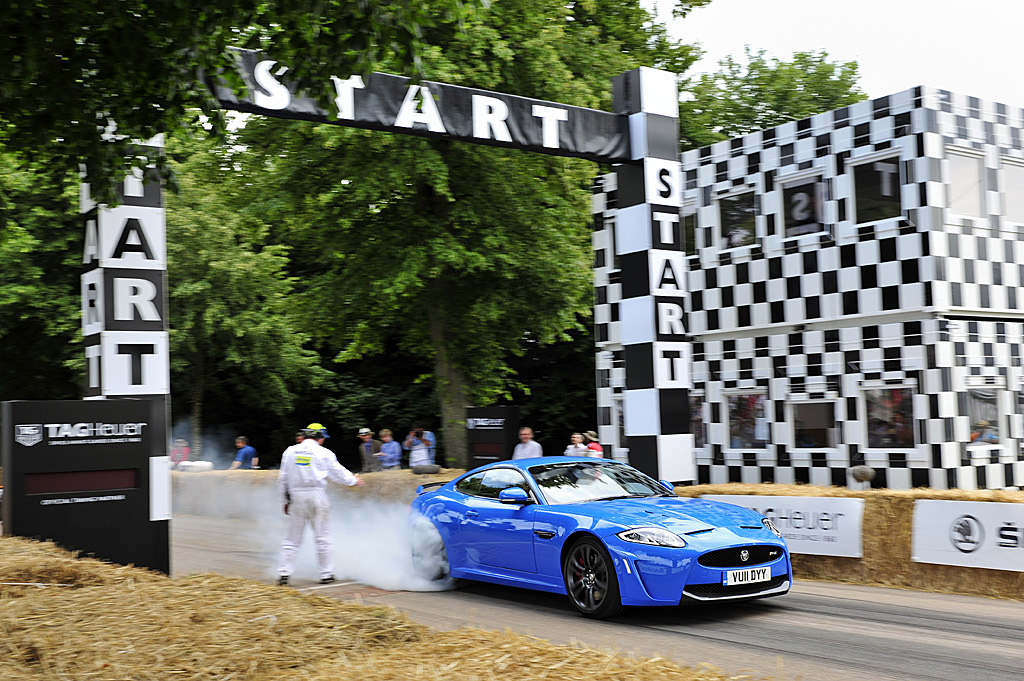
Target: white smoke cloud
373, 539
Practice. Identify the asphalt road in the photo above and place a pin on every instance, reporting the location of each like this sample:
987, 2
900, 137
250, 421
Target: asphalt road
818, 632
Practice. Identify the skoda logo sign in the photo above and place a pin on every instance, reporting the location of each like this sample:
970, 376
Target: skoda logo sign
966, 534
744, 556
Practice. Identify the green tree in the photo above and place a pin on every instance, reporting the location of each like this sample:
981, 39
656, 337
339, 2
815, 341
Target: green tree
74, 68
762, 93
234, 336
40, 301
458, 253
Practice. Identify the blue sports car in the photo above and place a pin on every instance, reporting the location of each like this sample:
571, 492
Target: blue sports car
599, 531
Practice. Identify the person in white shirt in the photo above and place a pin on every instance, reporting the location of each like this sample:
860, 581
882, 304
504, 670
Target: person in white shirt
302, 483
527, 447
576, 446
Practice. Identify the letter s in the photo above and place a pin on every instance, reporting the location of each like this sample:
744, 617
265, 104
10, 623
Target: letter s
665, 177
279, 97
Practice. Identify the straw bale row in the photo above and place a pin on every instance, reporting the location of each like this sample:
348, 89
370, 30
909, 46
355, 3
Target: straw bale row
81, 619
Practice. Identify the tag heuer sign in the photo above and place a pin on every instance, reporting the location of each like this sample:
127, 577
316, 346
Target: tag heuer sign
485, 423
28, 434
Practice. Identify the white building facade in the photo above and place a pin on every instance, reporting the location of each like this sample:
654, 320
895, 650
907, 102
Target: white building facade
851, 288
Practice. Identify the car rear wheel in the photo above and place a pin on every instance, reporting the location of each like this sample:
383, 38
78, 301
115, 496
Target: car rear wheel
590, 579
429, 557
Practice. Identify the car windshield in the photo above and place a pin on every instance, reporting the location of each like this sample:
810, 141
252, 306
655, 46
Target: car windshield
580, 481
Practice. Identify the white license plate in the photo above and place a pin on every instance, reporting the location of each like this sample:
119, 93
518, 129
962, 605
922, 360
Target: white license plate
747, 576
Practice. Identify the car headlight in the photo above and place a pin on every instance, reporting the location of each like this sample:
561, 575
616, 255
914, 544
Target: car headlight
654, 536
769, 525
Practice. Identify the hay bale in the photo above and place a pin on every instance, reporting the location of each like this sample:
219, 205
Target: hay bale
29, 565
125, 623
240, 494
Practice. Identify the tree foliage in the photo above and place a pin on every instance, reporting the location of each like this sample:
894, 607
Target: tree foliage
235, 339
75, 69
456, 253
762, 93
40, 259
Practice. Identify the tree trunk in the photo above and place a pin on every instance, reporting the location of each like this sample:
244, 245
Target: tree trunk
451, 392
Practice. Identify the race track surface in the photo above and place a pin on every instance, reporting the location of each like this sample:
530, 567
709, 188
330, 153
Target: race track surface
819, 632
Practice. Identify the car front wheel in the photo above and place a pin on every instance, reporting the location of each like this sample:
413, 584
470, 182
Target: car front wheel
590, 579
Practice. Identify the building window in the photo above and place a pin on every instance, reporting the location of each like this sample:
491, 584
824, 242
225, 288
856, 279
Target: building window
748, 427
876, 190
890, 414
814, 425
1013, 192
966, 189
698, 425
688, 218
802, 207
983, 410
737, 220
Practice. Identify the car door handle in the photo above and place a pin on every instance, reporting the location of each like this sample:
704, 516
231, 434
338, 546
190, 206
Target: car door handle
471, 514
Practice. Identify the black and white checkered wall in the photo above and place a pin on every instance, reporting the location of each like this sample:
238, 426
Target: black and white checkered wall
879, 246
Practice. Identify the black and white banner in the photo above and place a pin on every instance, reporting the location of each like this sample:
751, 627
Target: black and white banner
969, 534
382, 101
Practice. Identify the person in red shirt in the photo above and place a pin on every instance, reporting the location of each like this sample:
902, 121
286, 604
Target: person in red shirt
594, 447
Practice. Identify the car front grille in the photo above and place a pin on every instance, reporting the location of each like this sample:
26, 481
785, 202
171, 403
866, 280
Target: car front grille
720, 591
757, 554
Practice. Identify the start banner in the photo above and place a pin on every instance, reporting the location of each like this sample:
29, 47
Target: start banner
969, 534
817, 526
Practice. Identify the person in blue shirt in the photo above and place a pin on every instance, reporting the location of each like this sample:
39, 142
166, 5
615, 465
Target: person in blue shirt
246, 456
430, 439
390, 450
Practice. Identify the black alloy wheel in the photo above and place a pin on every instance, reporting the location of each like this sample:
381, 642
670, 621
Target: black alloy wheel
590, 579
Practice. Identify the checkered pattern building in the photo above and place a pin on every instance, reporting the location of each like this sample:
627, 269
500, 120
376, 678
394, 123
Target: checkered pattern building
873, 250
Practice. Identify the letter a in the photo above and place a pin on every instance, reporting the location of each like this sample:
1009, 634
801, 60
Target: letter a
133, 226
410, 112
668, 276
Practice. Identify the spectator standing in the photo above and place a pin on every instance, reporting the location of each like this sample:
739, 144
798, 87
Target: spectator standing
576, 446
390, 455
302, 483
431, 442
419, 448
179, 452
594, 447
246, 456
369, 448
527, 447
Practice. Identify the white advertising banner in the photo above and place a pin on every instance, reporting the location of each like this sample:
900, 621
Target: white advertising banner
816, 526
969, 534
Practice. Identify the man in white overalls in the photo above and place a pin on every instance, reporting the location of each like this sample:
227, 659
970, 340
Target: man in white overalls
302, 482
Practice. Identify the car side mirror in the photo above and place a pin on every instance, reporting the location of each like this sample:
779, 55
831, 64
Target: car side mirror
668, 485
513, 495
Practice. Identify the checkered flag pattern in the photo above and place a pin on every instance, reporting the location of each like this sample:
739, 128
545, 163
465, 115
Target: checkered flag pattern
854, 264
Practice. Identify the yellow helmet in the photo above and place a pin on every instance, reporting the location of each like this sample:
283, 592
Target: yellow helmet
317, 430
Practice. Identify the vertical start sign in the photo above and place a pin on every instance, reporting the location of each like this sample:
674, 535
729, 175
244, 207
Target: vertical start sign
124, 290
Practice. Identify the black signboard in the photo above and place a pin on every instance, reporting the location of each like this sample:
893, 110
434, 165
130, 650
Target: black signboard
382, 101
492, 433
89, 475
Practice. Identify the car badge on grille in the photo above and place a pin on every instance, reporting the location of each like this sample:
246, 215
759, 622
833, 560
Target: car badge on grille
744, 556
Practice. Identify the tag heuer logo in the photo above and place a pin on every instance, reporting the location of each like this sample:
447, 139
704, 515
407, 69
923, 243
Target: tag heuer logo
28, 434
